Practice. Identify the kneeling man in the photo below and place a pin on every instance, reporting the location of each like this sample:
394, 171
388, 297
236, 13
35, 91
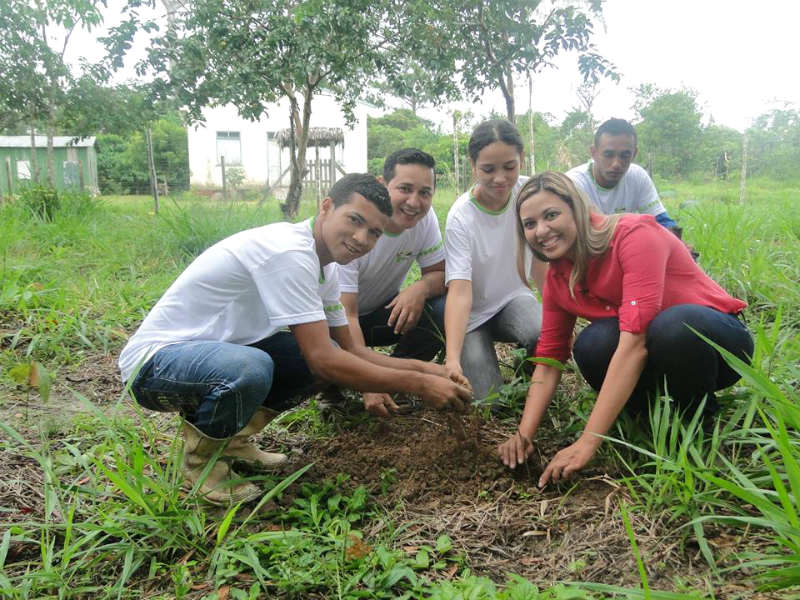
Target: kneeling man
378, 313
215, 349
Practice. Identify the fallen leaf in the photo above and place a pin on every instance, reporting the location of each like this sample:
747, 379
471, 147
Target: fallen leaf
223, 592
197, 587
33, 375
357, 548
451, 571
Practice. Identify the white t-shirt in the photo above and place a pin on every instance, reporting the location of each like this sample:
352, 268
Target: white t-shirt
481, 247
242, 290
635, 192
378, 275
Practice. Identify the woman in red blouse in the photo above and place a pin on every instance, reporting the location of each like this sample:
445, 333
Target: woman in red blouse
639, 286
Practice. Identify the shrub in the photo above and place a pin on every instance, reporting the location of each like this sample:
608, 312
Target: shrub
41, 200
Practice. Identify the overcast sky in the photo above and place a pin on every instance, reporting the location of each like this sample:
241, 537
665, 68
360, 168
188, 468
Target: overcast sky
741, 57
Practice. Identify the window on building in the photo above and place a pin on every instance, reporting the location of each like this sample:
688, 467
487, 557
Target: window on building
229, 145
23, 169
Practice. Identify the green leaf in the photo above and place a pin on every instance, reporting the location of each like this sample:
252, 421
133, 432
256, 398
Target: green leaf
443, 544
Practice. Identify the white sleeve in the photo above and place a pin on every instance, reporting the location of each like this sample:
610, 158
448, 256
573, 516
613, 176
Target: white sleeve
458, 251
348, 275
331, 300
432, 251
289, 288
646, 199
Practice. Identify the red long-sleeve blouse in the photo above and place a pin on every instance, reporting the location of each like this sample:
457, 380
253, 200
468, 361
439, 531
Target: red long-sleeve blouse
645, 270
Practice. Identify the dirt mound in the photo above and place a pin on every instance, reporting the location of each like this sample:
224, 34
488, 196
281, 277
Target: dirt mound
442, 476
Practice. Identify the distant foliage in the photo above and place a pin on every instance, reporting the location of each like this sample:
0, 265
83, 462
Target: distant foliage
774, 142
122, 166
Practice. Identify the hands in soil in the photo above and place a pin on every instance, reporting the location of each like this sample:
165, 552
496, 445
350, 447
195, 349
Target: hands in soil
380, 404
515, 450
568, 461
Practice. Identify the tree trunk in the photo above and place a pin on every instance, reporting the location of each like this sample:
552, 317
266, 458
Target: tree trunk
299, 144
531, 153
51, 130
507, 87
34, 160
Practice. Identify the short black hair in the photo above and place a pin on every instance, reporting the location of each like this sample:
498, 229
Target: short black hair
407, 156
615, 127
496, 130
366, 185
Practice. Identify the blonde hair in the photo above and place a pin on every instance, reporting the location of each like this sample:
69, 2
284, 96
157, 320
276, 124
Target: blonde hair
589, 241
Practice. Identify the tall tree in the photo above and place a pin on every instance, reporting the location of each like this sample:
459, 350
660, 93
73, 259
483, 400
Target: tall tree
488, 44
670, 127
252, 53
775, 143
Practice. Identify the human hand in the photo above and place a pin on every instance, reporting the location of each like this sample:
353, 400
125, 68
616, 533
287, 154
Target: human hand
407, 308
568, 461
515, 450
379, 404
433, 368
442, 393
453, 371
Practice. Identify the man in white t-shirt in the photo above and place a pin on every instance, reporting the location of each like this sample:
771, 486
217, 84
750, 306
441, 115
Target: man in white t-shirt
214, 347
612, 181
378, 313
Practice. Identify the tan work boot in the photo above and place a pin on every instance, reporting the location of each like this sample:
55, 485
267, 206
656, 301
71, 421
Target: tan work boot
241, 449
219, 487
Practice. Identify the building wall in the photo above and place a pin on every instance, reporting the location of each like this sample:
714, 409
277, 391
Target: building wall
261, 158
84, 155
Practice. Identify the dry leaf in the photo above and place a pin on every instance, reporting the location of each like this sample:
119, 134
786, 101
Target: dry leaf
357, 548
534, 532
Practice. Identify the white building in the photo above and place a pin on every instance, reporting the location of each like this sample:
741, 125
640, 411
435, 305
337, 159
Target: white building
253, 147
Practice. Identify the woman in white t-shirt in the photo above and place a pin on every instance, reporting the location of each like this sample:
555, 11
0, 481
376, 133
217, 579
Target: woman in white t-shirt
486, 301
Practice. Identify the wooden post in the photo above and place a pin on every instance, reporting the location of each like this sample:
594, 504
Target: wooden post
152, 163
333, 163
166, 186
531, 154
319, 176
224, 178
650, 163
743, 177
456, 178
280, 164
8, 174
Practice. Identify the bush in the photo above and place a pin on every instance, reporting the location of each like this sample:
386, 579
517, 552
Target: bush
41, 200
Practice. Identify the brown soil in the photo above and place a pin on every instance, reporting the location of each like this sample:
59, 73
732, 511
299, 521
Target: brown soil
425, 476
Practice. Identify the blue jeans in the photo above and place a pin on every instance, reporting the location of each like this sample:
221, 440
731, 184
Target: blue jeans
691, 368
520, 322
423, 342
217, 386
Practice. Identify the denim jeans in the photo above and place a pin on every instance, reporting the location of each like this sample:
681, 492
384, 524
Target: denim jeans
520, 322
217, 386
423, 342
691, 368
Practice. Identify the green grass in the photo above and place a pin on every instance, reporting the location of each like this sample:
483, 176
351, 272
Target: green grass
114, 525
